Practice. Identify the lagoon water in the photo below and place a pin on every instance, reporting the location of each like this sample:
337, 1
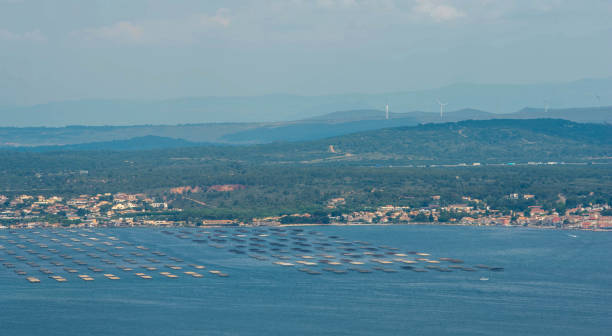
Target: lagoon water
553, 283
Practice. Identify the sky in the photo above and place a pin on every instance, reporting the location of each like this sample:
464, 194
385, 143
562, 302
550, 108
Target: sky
156, 49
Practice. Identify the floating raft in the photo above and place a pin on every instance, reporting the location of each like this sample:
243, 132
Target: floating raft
219, 273
194, 274
111, 276
33, 279
58, 278
406, 261
168, 275
384, 262
143, 276
85, 277
307, 263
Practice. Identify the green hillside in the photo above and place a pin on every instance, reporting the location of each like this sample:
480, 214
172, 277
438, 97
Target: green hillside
476, 141
302, 176
484, 141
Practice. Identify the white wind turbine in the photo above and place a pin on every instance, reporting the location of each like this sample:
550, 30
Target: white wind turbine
441, 107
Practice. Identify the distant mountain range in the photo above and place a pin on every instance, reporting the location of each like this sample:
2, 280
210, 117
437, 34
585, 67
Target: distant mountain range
147, 142
282, 108
467, 142
319, 127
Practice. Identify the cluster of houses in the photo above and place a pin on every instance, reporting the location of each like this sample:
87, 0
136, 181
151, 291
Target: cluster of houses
121, 209
476, 212
107, 209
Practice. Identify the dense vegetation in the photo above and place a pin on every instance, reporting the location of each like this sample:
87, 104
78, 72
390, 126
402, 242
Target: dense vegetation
480, 141
286, 178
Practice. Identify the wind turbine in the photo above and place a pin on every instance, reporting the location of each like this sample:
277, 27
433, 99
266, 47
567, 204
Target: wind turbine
546, 107
598, 99
441, 107
387, 112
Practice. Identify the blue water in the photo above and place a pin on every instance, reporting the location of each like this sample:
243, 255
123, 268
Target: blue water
552, 284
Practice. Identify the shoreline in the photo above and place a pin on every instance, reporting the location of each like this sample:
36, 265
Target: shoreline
436, 224
311, 224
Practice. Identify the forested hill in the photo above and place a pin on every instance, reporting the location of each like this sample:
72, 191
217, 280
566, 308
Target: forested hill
474, 141
469, 142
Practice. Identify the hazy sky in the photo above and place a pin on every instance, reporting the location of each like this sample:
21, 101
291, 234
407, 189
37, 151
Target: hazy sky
143, 49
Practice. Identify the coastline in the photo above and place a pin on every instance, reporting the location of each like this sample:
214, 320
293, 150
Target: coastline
307, 225
435, 224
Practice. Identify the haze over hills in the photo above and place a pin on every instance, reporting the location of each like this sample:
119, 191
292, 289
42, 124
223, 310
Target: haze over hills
483, 141
147, 142
323, 126
277, 108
